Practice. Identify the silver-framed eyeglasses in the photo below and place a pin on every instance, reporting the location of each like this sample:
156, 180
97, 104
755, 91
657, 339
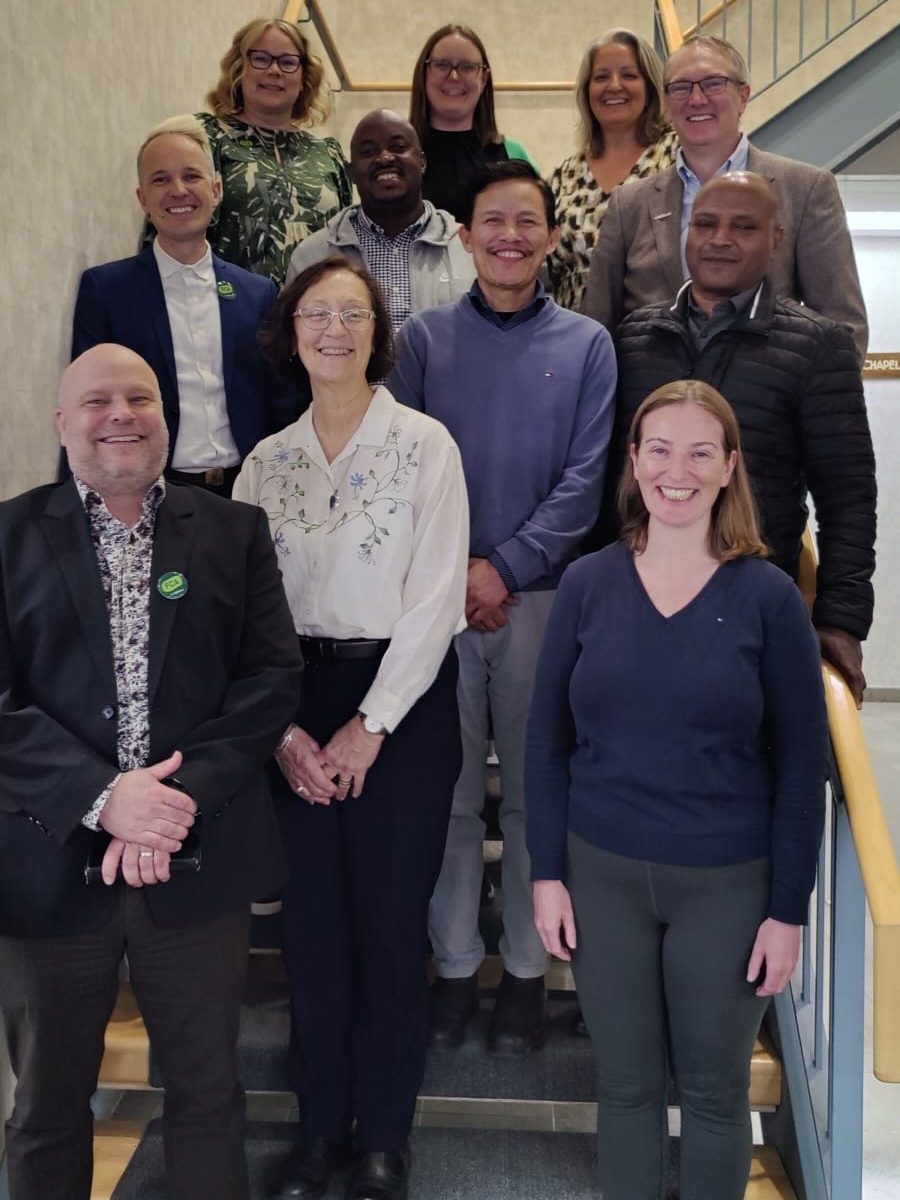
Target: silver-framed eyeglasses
467, 69
261, 60
321, 318
710, 85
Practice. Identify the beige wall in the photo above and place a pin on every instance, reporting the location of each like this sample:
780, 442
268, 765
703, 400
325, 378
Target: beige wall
80, 84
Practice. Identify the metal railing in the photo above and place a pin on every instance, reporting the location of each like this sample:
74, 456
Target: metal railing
784, 35
819, 1022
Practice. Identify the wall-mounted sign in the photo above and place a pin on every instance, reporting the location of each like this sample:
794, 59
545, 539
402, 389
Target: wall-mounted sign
882, 366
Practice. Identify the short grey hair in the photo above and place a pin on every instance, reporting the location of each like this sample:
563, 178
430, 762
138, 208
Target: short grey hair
187, 126
734, 56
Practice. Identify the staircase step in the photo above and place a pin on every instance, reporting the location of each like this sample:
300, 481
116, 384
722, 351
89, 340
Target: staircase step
562, 1071
450, 1164
115, 1143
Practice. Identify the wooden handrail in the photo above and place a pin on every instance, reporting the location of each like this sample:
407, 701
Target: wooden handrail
671, 27
874, 848
712, 15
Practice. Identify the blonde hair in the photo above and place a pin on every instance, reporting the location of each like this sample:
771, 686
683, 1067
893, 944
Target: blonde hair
734, 524
187, 126
651, 126
312, 105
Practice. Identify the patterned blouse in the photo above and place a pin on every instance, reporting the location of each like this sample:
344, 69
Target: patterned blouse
580, 206
278, 187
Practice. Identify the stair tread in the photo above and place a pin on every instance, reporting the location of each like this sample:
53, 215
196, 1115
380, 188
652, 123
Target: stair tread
115, 1143
563, 1070
451, 1164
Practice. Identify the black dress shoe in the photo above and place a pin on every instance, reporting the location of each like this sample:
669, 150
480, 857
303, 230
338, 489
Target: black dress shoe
517, 1023
380, 1175
451, 1003
305, 1173
579, 1028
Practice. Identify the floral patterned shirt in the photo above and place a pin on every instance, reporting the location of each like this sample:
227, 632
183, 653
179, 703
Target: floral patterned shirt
374, 544
580, 207
278, 187
124, 559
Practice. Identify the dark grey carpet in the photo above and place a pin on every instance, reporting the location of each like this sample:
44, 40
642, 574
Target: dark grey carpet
447, 1164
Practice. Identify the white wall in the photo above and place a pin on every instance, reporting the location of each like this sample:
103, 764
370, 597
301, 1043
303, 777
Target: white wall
878, 259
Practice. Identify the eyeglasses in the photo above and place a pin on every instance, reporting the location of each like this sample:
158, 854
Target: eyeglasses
712, 85
321, 318
466, 69
261, 60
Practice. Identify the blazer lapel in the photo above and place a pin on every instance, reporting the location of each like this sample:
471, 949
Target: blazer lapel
172, 545
67, 530
665, 221
228, 313
155, 300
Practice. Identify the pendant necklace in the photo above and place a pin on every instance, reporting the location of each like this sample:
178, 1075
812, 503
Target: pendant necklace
334, 500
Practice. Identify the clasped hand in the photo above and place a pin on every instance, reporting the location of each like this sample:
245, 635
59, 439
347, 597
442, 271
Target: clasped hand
148, 822
321, 774
486, 597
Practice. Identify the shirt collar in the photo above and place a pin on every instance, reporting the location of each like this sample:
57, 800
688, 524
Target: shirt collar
373, 428
529, 310
736, 161
169, 266
361, 219
743, 304
95, 505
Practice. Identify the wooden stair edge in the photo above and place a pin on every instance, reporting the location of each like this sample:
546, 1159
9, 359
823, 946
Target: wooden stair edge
115, 1142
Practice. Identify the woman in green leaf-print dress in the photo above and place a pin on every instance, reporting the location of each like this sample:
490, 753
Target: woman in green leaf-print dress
280, 183
622, 137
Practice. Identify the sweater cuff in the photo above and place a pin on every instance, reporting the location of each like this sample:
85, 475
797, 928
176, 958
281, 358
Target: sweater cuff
499, 564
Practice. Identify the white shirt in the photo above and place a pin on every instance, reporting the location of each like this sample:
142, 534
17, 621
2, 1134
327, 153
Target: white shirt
374, 545
192, 302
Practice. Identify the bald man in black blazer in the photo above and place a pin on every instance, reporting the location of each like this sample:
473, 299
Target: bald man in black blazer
148, 666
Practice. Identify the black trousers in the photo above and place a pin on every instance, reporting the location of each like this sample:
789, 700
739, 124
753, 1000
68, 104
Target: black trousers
56, 996
356, 911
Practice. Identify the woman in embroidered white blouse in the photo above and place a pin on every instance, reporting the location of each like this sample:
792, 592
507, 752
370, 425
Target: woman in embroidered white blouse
367, 505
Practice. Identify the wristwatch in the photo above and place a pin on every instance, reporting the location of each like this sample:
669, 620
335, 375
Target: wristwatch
370, 725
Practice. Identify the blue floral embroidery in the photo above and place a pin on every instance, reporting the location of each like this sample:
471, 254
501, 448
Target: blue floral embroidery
374, 495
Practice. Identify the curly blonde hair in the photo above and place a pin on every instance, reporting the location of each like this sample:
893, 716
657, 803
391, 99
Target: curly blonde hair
312, 105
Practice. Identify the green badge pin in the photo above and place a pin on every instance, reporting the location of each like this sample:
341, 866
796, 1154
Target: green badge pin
172, 585
226, 290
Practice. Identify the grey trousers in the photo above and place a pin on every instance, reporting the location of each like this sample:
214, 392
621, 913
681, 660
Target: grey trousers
660, 970
496, 675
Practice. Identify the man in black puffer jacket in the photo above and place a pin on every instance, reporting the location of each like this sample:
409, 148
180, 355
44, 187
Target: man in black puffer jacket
792, 378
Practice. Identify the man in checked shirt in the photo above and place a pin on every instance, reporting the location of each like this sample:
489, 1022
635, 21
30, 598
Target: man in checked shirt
148, 665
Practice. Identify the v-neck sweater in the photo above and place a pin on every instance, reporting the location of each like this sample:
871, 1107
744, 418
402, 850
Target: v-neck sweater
698, 739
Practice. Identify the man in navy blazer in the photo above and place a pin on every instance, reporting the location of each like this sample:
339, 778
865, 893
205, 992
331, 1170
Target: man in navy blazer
193, 317
148, 667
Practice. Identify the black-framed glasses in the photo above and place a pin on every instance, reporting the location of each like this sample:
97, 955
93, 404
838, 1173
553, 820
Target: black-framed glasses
321, 318
710, 85
261, 60
467, 69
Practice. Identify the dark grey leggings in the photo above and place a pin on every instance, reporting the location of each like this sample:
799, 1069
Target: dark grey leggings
660, 970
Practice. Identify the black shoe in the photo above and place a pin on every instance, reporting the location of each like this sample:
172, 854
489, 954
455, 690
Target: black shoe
579, 1028
305, 1173
380, 1176
517, 1023
451, 1003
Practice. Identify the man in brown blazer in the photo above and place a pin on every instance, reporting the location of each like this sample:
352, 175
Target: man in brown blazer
639, 258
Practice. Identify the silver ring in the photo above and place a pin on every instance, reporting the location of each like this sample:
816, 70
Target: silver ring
145, 854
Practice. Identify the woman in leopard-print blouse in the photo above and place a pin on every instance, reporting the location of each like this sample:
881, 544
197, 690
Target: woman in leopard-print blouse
623, 137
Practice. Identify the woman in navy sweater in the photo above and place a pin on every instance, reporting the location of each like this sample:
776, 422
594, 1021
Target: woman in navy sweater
675, 797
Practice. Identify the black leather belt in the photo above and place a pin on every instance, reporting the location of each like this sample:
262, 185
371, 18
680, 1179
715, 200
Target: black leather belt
212, 477
322, 649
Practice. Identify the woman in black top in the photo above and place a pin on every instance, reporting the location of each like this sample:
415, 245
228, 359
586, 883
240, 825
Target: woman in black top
452, 111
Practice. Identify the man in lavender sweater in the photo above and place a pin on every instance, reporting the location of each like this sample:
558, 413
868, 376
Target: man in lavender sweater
526, 388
